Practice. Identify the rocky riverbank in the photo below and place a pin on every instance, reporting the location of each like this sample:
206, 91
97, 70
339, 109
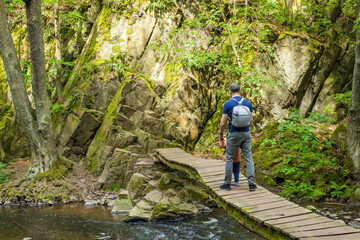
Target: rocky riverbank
153, 192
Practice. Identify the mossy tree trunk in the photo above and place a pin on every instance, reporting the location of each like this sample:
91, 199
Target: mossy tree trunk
38, 129
353, 130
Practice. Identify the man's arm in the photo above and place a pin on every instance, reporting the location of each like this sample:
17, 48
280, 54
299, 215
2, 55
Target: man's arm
223, 122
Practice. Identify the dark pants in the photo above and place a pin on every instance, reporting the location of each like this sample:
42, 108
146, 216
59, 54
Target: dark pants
236, 171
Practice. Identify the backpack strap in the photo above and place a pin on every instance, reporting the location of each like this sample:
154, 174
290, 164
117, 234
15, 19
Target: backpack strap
239, 102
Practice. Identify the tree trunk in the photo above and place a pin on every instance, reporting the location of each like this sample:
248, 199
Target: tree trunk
353, 129
47, 152
16, 79
58, 84
38, 131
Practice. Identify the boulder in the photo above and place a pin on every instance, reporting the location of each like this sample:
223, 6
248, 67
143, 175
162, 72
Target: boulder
152, 185
339, 135
118, 169
192, 194
137, 214
123, 203
172, 208
170, 180
124, 139
137, 185
153, 197
355, 197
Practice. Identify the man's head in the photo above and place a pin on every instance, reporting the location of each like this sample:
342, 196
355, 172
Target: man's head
234, 88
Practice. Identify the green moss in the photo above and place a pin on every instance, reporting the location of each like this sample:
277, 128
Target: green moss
171, 75
94, 157
129, 31
170, 180
285, 33
61, 167
99, 34
192, 193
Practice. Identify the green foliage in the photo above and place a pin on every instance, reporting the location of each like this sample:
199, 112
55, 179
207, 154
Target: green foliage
115, 64
343, 98
26, 68
160, 7
70, 19
73, 101
307, 163
3, 175
12, 5
55, 108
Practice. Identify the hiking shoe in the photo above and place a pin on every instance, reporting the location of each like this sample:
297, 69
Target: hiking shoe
225, 187
252, 187
235, 184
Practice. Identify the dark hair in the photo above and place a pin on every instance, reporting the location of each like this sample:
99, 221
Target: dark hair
234, 87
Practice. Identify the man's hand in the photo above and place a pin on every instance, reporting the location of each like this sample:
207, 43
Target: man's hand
222, 143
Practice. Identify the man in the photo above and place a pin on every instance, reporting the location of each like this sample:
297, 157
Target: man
237, 137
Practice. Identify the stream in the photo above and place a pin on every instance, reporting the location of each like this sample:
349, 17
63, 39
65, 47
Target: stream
75, 221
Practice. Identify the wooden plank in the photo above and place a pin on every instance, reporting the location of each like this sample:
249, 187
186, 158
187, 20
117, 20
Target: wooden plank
323, 225
210, 167
257, 202
214, 171
210, 177
243, 184
252, 195
288, 211
350, 236
305, 222
291, 219
324, 232
248, 207
271, 206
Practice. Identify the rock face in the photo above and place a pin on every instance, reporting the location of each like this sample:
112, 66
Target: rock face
129, 97
307, 75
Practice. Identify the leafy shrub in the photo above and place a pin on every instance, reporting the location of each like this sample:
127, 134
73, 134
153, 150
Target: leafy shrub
3, 175
308, 166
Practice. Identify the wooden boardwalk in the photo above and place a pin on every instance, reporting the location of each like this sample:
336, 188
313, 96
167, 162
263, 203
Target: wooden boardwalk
261, 211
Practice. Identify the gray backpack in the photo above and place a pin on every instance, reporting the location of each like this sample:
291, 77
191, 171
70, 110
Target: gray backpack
241, 116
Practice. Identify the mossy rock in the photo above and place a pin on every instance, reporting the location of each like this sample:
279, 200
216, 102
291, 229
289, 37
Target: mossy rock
338, 136
137, 214
172, 208
170, 180
193, 195
60, 169
123, 203
355, 197
137, 185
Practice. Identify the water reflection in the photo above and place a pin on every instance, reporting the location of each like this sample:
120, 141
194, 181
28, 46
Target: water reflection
78, 222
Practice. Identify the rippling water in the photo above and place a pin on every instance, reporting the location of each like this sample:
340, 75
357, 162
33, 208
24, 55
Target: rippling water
76, 221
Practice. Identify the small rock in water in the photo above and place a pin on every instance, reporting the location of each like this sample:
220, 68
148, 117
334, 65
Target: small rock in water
311, 208
340, 221
28, 238
102, 238
90, 203
355, 224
